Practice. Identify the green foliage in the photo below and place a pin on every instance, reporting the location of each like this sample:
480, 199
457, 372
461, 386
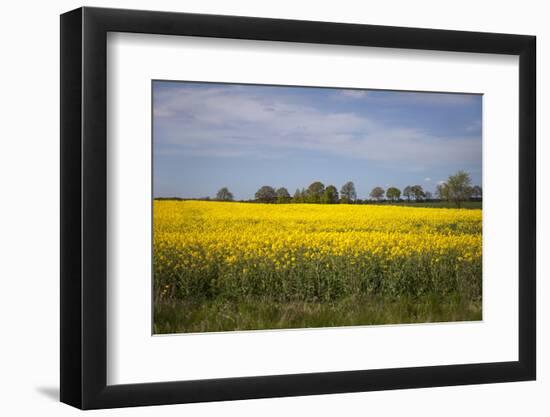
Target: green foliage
377, 193
393, 193
216, 316
441, 191
330, 196
347, 193
407, 192
266, 194
315, 192
417, 192
458, 188
411, 276
283, 196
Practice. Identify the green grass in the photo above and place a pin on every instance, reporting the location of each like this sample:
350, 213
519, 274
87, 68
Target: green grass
215, 316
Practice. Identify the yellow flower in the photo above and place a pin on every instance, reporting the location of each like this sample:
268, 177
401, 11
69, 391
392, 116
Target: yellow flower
244, 238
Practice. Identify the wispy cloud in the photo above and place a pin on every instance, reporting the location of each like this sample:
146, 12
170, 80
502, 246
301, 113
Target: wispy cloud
235, 121
354, 94
423, 98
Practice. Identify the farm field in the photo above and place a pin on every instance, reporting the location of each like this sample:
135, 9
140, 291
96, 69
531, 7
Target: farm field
221, 266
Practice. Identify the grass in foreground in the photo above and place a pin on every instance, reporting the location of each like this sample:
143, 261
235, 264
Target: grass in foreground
215, 316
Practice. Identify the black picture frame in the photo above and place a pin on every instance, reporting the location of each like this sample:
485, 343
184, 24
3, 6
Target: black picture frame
84, 207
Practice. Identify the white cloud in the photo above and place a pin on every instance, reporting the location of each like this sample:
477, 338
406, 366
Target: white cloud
355, 94
430, 98
232, 121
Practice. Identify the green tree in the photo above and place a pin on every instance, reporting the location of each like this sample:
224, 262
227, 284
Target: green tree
315, 192
459, 187
282, 195
407, 193
224, 195
266, 194
441, 191
297, 198
417, 192
347, 193
393, 193
377, 193
330, 196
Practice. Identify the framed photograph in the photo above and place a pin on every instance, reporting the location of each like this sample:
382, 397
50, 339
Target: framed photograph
259, 208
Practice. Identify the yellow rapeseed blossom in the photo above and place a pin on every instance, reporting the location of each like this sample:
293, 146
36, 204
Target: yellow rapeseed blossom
214, 244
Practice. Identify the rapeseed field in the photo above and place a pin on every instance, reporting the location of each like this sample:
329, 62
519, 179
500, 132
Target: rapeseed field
221, 266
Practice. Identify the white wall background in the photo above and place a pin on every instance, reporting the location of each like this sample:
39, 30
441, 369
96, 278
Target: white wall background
29, 213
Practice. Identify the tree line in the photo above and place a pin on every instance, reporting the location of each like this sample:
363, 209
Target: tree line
457, 189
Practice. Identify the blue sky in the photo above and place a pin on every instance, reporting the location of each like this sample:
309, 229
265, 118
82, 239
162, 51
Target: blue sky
212, 135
